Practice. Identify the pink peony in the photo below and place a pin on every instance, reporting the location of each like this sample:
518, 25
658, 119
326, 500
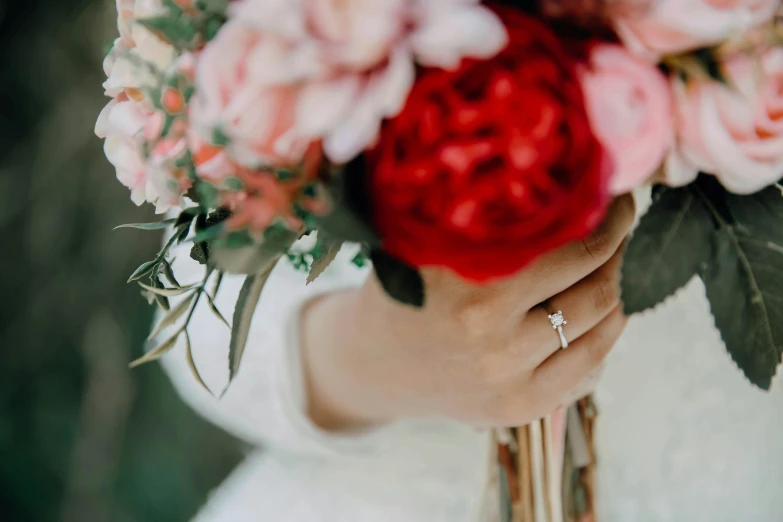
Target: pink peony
284, 73
629, 103
734, 131
675, 26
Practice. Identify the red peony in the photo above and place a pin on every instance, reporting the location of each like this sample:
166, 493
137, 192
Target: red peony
491, 165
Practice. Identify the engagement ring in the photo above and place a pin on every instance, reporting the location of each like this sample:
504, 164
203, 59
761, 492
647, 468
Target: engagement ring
558, 321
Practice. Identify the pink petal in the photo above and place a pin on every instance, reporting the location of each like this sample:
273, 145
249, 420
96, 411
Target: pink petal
679, 171
452, 32
322, 105
384, 96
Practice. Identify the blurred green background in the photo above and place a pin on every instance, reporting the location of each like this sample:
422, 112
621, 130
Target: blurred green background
82, 437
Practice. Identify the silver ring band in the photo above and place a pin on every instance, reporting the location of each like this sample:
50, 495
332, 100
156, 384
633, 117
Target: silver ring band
558, 321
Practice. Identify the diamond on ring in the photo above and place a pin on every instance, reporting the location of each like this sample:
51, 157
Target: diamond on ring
557, 320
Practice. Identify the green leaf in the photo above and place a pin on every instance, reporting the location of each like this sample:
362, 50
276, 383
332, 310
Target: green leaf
157, 225
758, 215
168, 292
171, 317
192, 364
199, 253
243, 317
220, 138
254, 258
708, 58
233, 239
743, 286
179, 31
186, 216
359, 260
144, 269
342, 223
162, 302
159, 351
323, 260
168, 273
211, 298
744, 281
205, 194
233, 183
401, 282
212, 6
349, 216
182, 233
211, 27
215, 310
671, 244
216, 284
208, 234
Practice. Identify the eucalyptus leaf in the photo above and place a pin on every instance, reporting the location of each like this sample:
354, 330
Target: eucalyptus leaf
182, 233
143, 270
168, 273
213, 296
243, 317
672, 243
155, 225
163, 303
192, 364
319, 264
216, 284
159, 351
215, 310
171, 317
160, 300
168, 292
401, 282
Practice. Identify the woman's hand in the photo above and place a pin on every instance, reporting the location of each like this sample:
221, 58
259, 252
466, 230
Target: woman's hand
484, 355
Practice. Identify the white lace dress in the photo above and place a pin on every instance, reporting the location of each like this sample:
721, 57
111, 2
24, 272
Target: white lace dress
682, 436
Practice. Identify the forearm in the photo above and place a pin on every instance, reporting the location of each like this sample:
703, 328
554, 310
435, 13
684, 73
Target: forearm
350, 381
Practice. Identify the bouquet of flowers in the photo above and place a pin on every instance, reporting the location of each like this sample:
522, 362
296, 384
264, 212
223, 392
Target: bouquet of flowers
467, 135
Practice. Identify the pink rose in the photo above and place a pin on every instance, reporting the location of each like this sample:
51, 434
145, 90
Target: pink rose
675, 26
284, 73
733, 131
126, 128
629, 103
247, 89
138, 56
370, 47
